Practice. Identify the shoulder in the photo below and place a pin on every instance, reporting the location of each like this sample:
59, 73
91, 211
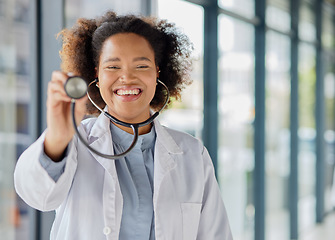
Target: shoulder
183, 140
182, 136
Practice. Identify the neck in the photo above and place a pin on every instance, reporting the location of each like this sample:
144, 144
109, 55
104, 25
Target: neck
142, 130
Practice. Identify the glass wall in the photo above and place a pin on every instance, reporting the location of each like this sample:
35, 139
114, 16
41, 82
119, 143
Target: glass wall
91, 9
307, 31
277, 155
278, 15
277, 121
243, 7
236, 115
14, 112
307, 134
307, 127
187, 114
328, 42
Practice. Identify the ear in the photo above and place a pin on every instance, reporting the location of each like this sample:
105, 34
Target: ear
157, 72
96, 72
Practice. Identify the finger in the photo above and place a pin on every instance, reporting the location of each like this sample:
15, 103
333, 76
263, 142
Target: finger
56, 88
58, 81
59, 76
58, 98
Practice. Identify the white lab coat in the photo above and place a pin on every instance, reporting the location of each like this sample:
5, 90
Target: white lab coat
88, 200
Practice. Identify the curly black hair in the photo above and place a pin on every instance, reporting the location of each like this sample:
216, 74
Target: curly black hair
82, 46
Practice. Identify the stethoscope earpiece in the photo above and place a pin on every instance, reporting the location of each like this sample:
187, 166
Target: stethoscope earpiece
76, 88
96, 81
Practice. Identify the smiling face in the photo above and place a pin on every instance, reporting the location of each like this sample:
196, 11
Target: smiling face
127, 76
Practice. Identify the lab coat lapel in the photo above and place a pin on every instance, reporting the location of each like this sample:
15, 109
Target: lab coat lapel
100, 138
166, 150
165, 157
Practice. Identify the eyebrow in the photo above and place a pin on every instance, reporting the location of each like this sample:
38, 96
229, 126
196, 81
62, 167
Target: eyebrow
116, 59
141, 59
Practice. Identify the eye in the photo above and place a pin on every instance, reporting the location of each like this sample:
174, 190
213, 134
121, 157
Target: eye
142, 66
113, 67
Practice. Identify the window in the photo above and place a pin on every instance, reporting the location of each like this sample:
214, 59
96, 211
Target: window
329, 94
187, 114
307, 135
243, 7
15, 102
236, 115
307, 29
91, 9
277, 129
278, 15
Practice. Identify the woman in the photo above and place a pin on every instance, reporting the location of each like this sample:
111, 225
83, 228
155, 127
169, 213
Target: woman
165, 188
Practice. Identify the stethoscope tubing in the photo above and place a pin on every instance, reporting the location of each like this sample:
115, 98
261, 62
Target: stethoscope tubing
133, 126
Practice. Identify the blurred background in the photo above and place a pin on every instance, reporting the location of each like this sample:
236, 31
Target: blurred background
262, 101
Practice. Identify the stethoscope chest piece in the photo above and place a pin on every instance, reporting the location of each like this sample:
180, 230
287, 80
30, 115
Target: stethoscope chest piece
75, 87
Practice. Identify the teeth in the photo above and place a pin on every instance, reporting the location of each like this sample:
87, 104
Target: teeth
122, 92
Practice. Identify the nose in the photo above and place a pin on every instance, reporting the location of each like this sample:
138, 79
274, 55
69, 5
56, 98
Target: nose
127, 76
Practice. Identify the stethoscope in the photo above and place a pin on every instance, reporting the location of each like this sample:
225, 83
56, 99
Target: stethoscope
76, 88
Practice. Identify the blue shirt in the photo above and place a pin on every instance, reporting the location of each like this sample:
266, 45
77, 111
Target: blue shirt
135, 173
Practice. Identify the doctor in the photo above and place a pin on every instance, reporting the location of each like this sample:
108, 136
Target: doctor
165, 188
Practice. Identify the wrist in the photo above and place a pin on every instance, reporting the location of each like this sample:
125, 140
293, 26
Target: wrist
55, 148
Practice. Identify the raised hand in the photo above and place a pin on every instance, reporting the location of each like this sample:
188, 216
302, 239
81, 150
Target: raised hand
59, 122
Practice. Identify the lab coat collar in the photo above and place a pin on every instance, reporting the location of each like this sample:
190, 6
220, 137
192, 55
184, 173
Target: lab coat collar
100, 138
102, 127
167, 141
